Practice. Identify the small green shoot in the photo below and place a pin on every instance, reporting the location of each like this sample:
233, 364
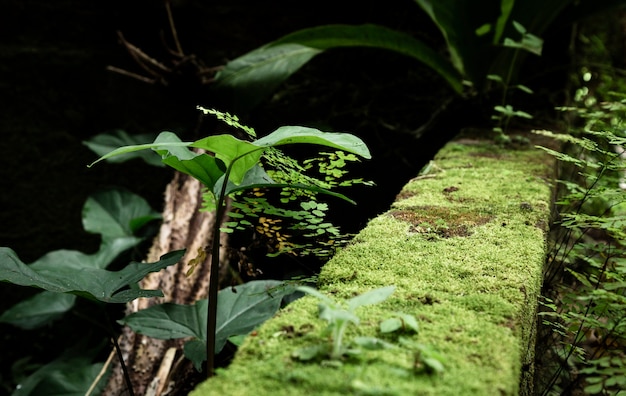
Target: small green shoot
340, 315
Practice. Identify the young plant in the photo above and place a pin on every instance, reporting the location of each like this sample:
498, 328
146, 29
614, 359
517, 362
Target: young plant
504, 112
228, 166
334, 347
339, 317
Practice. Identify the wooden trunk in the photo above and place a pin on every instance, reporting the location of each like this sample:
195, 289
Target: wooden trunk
155, 366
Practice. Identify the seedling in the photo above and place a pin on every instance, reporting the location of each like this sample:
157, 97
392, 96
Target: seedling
227, 166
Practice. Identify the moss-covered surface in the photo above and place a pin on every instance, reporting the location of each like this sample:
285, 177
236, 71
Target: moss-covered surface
464, 245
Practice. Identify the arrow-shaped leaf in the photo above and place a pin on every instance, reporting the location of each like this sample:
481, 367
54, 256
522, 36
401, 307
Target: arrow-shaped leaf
238, 313
260, 72
37, 310
92, 283
106, 142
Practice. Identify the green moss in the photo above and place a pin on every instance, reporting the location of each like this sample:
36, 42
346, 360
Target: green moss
464, 247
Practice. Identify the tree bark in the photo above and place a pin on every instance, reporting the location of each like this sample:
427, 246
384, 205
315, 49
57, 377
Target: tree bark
158, 367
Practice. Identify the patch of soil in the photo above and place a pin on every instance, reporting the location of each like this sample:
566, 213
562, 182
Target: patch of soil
444, 222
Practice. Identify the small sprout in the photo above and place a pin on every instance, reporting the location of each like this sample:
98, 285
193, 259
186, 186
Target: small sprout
400, 322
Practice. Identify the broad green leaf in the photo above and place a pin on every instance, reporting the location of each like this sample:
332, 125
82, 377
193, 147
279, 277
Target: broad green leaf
74, 380
195, 350
260, 72
242, 156
254, 177
91, 283
116, 213
371, 297
299, 134
399, 322
70, 374
244, 307
169, 321
200, 166
238, 313
106, 142
237, 154
38, 310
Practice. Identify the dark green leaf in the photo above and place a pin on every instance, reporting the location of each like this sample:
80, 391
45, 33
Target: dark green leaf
169, 320
106, 142
195, 350
241, 310
73, 380
261, 71
92, 283
116, 213
38, 310
238, 313
70, 374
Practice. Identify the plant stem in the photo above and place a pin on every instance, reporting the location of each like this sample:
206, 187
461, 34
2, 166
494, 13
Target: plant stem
129, 384
213, 278
338, 339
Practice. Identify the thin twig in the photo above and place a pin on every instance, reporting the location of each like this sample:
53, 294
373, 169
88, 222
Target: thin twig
170, 18
103, 371
131, 74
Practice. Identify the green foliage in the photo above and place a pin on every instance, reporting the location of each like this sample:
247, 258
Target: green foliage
338, 318
72, 373
481, 39
334, 347
105, 142
505, 112
117, 216
239, 310
299, 228
91, 283
261, 71
227, 165
586, 275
